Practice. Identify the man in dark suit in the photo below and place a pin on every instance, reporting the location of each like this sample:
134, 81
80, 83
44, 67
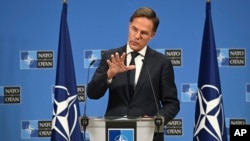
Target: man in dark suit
114, 72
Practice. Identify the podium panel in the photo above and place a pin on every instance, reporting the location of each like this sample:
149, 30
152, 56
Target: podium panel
103, 129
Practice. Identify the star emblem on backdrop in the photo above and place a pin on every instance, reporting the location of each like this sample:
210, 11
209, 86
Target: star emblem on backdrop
29, 129
29, 59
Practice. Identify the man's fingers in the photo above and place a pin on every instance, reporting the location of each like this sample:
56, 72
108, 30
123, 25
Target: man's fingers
109, 62
130, 67
113, 58
123, 56
117, 57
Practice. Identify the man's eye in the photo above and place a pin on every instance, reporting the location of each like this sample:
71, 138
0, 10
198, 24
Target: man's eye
144, 33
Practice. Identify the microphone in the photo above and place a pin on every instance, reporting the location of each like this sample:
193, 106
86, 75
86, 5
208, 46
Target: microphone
85, 119
158, 119
85, 96
91, 63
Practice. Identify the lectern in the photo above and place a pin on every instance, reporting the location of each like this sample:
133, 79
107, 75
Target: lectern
120, 129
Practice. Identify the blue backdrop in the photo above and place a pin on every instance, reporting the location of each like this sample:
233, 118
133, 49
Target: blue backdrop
29, 33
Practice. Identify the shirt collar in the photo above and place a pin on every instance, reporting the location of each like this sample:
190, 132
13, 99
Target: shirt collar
142, 52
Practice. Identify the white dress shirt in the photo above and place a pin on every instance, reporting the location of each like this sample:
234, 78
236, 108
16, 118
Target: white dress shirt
138, 60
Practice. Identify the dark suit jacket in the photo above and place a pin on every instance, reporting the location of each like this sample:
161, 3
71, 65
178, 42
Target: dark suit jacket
143, 103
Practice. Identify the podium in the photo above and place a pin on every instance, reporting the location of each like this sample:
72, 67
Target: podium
121, 129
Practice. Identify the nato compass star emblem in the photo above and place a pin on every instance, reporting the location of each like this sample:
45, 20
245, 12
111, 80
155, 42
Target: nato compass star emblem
121, 138
191, 93
29, 129
221, 57
28, 60
210, 118
59, 116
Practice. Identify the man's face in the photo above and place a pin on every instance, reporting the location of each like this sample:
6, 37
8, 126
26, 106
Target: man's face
140, 33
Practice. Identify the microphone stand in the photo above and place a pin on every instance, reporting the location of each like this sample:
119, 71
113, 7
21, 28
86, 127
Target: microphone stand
158, 119
85, 119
